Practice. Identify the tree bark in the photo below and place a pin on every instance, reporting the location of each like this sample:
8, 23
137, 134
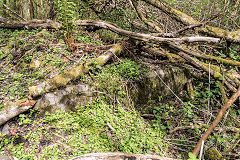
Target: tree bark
25, 10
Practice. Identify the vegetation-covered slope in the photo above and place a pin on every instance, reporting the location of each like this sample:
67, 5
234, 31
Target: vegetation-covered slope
169, 126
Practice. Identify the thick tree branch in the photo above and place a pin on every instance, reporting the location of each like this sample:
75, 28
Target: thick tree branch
199, 126
233, 36
145, 37
204, 56
229, 81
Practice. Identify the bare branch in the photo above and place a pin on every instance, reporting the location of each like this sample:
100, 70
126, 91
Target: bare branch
145, 37
216, 121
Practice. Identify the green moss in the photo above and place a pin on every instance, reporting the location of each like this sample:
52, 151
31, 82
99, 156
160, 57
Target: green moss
213, 154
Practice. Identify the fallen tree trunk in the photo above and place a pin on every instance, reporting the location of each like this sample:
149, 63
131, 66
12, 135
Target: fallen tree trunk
14, 109
119, 156
145, 37
32, 24
233, 36
74, 73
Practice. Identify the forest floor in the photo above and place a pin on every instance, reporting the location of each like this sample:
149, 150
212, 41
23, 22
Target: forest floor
28, 58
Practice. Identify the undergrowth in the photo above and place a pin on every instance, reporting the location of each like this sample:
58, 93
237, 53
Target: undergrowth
100, 126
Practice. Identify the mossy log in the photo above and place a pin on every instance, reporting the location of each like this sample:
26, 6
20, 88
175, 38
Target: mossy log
74, 73
14, 109
233, 36
229, 80
199, 54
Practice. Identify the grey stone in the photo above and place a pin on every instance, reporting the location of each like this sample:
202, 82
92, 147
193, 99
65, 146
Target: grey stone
5, 129
159, 84
65, 99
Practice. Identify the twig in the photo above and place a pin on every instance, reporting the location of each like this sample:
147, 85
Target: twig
182, 128
216, 121
209, 89
234, 142
175, 34
19, 17
177, 148
177, 144
186, 28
